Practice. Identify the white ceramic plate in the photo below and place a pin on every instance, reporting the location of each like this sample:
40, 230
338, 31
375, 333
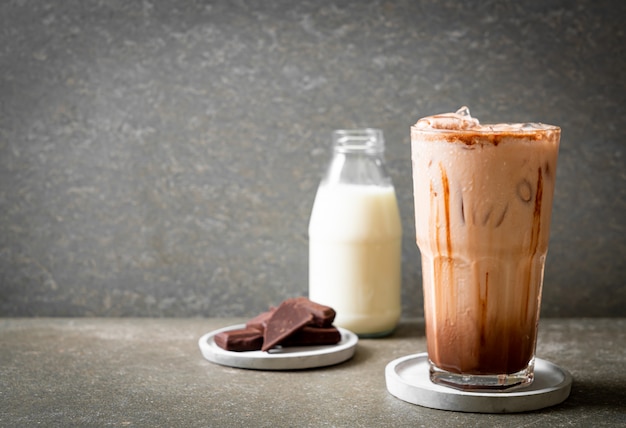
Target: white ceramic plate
408, 379
289, 358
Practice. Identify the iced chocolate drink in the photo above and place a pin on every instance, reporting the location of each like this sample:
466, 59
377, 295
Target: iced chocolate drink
483, 200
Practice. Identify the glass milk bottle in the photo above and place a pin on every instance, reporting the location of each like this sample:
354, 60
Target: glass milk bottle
355, 237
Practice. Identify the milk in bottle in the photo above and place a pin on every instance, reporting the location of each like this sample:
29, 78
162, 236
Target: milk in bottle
355, 237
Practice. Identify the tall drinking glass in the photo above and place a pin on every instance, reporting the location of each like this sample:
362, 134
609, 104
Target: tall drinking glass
483, 201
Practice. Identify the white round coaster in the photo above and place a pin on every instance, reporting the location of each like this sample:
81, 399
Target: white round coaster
408, 379
288, 358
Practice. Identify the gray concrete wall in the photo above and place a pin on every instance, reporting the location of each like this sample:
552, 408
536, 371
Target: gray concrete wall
161, 158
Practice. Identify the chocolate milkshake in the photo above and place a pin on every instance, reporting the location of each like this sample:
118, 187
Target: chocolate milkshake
483, 201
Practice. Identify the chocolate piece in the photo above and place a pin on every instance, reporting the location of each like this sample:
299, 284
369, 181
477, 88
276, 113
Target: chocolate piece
260, 321
309, 335
323, 316
296, 322
289, 317
244, 339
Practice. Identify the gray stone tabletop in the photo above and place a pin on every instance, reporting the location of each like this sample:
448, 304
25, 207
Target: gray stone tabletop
150, 372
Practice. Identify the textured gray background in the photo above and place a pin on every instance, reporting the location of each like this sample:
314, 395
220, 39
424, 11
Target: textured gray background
161, 158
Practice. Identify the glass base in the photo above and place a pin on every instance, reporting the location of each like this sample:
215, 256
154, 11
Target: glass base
472, 382
376, 335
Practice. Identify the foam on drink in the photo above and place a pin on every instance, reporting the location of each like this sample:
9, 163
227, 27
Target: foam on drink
483, 197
